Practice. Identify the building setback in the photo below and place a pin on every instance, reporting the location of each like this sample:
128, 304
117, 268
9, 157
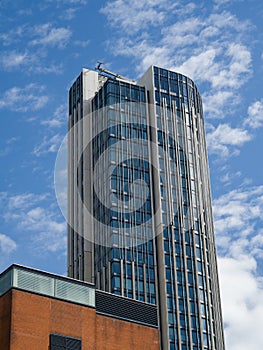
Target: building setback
40, 311
139, 202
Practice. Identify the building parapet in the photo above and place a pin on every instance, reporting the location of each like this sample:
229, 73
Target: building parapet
74, 291
47, 284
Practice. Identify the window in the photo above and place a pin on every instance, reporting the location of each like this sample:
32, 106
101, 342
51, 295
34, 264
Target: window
172, 346
141, 286
192, 307
170, 303
167, 259
169, 288
164, 83
194, 337
116, 267
140, 271
171, 333
193, 322
182, 320
166, 245
190, 278
180, 290
116, 282
181, 305
168, 273
199, 265
61, 342
183, 335
170, 318
128, 284
128, 270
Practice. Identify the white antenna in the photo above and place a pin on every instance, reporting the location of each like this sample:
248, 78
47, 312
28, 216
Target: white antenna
111, 73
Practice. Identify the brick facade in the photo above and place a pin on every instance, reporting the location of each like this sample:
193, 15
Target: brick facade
27, 319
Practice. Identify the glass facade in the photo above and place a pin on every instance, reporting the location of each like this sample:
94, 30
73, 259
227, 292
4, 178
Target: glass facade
152, 224
185, 202
123, 265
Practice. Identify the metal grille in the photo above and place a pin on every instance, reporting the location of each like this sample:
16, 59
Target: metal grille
126, 309
60, 342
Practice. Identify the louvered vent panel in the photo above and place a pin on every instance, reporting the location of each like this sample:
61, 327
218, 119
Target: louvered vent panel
33, 282
5, 282
127, 309
75, 292
47, 284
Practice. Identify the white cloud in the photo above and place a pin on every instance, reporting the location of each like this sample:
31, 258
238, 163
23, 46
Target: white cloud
13, 36
221, 2
32, 56
238, 223
11, 140
242, 300
78, 2
50, 36
25, 12
8, 147
33, 62
215, 102
22, 201
185, 32
224, 2
37, 216
257, 244
34, 214
201, 66
225, 141
136, 16
255, 115
228, 177
7, 245
225, 70
59, 118
74, 2
23, 99
82, 43
211, 48
50, 144
46, 67
14, 59
237, 69
68, 14
236, 214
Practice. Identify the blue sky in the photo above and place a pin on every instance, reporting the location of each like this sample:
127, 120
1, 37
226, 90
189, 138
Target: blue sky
217, 43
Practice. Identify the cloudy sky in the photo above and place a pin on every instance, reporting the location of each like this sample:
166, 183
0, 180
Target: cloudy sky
217, 43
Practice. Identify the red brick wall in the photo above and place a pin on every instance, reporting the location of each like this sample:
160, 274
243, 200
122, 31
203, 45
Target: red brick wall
5, 321
113, 334
35, 317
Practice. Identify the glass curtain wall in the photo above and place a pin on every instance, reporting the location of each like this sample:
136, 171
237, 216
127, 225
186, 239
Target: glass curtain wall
146, 168
188, 245
124, 265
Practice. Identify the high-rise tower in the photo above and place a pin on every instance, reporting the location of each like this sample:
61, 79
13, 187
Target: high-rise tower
139, 212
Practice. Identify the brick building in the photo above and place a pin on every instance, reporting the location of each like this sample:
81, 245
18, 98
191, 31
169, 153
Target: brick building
42, 311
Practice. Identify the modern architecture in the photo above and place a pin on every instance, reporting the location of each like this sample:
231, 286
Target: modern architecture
139, 201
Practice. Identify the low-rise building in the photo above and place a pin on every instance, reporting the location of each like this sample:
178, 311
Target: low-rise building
43, 311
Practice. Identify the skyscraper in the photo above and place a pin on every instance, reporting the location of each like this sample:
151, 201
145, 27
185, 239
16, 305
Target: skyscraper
139, 212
